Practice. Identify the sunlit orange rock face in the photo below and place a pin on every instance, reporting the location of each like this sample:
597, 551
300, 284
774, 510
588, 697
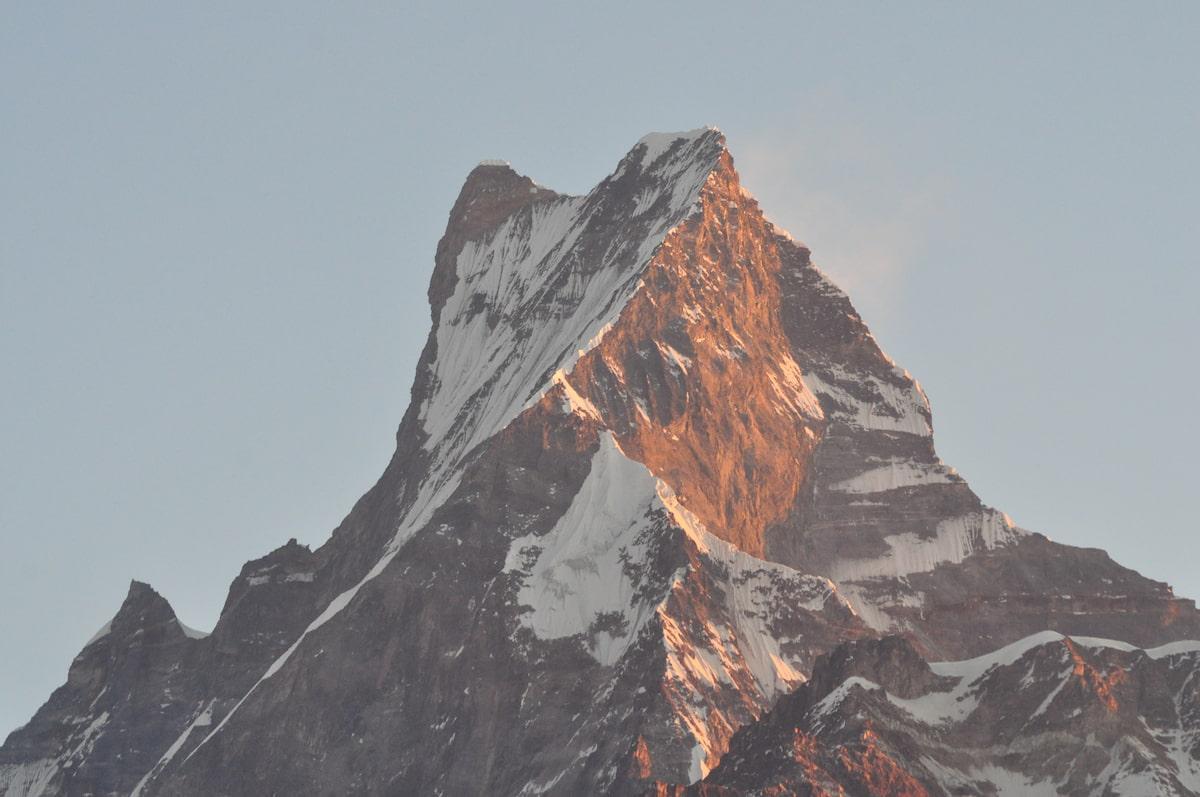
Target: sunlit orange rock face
861, 766
697, 377
641, 759
876, 772
1102, 683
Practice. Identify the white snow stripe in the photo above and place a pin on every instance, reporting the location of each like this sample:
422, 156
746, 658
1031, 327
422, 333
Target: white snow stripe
556, 230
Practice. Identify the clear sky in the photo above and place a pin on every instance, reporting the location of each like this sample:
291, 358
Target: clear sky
217, 224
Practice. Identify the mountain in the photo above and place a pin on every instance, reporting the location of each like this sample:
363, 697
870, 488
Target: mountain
655, 467
1047, 715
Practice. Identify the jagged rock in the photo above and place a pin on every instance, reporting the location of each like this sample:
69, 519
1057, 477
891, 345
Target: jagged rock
1047, 715
126, 691
654, 466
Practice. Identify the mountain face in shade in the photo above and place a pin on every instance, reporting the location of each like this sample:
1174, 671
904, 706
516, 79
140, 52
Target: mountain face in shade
655, 469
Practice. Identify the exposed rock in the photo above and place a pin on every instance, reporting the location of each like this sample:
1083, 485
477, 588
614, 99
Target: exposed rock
654, 467
127, 690
1047, 715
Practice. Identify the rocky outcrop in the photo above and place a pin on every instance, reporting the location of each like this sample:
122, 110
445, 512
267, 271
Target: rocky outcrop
127, 690
1047, 715
654, 467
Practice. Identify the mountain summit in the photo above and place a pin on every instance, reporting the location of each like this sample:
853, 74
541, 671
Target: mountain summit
657, 491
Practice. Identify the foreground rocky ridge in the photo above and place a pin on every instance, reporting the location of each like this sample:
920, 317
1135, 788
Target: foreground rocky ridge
1047, 715
654, 466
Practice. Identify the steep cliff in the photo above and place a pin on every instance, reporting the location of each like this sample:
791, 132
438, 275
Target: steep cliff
654, 466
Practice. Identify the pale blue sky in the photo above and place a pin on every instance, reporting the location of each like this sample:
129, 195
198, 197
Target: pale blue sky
217, 225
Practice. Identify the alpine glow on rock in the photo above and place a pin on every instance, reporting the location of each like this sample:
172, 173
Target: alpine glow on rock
662, 518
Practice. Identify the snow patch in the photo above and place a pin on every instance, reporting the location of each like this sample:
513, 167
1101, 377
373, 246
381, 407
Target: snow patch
578, 571
657, 144
1013, 784
528, 301
956, 704
573, 402
584, 570
104, 631
88, 739
1001, 657
202, 720
30, 779
259, 580
791, 389
891, 408
190, 633
953, 541
895, 474
828, 704
681, 363
1179, 648
697, 769
755, 592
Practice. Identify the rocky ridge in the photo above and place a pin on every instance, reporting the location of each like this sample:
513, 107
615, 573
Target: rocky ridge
654, 466
1047, 715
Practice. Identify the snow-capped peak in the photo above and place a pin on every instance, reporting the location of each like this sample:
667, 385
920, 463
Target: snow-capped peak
537, 291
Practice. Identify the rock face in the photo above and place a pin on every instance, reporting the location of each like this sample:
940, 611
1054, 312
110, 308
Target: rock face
1047, 715
654, 467
124, 694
